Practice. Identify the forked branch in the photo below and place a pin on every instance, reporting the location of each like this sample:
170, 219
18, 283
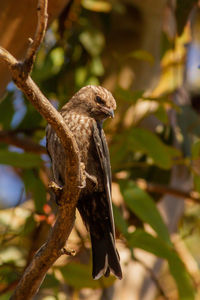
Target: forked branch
52, 249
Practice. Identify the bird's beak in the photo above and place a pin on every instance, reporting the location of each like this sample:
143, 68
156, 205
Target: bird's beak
111, 113
108, 112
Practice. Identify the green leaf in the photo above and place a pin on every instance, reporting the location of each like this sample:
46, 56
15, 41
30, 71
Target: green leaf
79, 276
144, 207
50, 282
20, 160
120, 222
96, 67
9, 272
81, 76
34, 185
28, 226
161, 114
6, 110
143, 240
93, 41
147, 142
128, 95
6, 296
196, 149
196, 180
142, 55
57, 58
98, 6
32, 118
48, 65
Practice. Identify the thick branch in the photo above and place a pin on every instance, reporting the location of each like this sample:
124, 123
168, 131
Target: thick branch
25, 143
52, 249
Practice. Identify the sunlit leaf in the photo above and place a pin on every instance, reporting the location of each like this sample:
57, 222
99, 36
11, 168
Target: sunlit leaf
49, 65
196, 149
97, 67
57, 57
142, 55
144, 207
80, 76
97, 5
93, 41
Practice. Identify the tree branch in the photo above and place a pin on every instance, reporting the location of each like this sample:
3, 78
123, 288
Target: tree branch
25, 143
164, 189
52, 249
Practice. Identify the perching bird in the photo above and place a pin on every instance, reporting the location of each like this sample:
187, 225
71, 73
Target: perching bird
84, 115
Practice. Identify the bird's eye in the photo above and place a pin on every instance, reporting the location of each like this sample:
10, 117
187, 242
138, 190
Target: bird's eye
99, 100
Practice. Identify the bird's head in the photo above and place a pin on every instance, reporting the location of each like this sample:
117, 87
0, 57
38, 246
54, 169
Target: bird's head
96, 101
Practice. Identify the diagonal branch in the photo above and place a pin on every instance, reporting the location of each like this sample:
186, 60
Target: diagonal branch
52, 249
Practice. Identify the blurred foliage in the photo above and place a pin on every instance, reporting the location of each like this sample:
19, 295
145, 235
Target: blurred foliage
145, 142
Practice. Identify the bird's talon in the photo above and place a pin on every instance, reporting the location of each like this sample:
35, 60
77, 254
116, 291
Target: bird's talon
93, 179
82, 186
55, 187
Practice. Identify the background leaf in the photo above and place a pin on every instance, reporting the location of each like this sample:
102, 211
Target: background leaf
20, 160
79, 276
143, 240
145, 208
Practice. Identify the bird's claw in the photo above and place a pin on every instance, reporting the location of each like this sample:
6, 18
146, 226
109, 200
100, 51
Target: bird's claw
82, 186
93, 179
83, 176
57, 190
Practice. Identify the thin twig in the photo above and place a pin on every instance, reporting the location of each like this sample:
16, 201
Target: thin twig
164, 189
39, 35
7, 57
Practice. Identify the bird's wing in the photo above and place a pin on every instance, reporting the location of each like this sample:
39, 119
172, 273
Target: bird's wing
104, 157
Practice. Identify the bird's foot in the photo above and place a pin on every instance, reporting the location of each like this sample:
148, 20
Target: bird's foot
83, 176
93, 179
56, 189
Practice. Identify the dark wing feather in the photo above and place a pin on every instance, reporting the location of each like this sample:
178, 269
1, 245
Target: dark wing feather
103, 153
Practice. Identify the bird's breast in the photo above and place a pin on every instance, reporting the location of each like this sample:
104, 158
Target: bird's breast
81, 127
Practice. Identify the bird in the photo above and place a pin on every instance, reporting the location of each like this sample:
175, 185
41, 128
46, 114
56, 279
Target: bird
84, 115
